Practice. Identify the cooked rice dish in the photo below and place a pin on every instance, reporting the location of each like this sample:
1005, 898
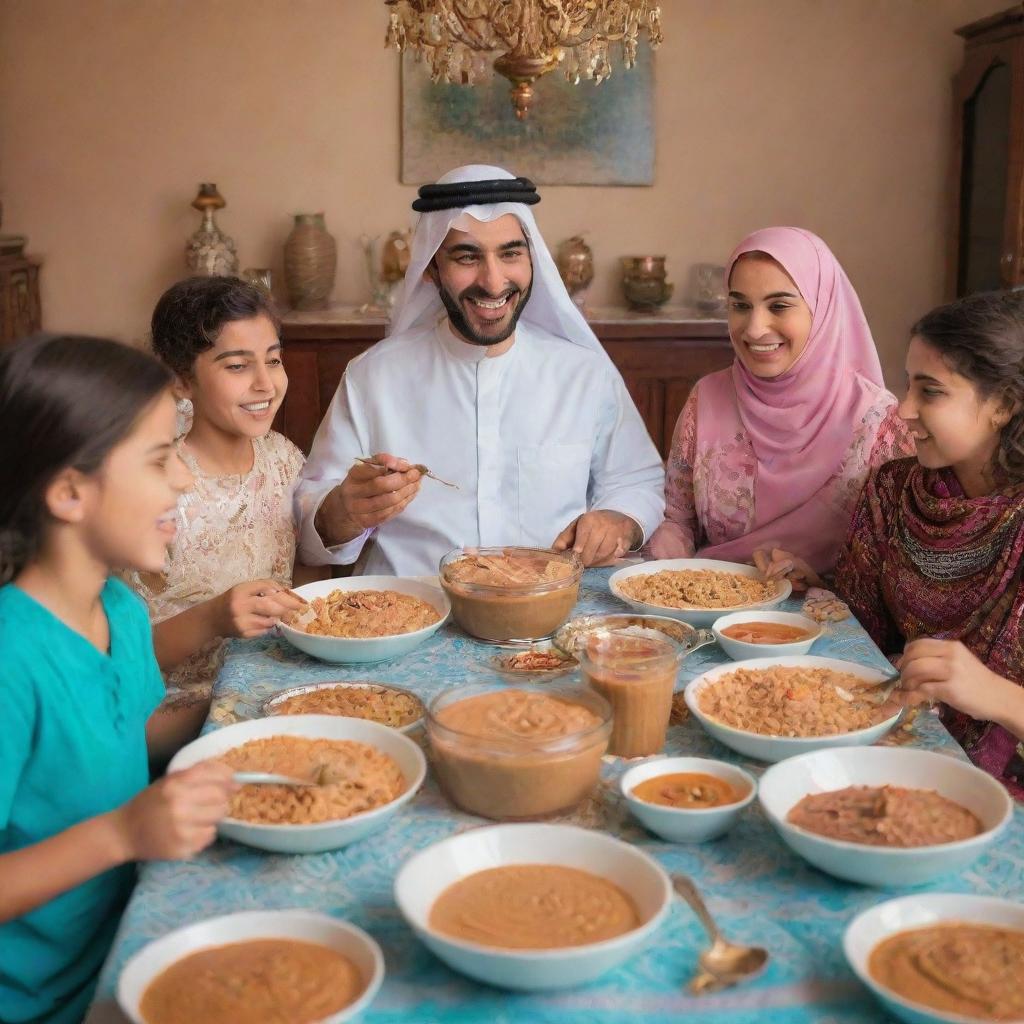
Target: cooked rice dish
697, 588
373, 703
365, 613
790, 701
510, 570
353, 778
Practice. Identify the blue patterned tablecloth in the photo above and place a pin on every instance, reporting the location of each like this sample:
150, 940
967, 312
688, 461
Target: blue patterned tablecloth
760, 892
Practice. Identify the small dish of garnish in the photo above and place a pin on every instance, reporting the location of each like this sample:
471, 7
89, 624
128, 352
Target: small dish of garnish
760, 634
536, 663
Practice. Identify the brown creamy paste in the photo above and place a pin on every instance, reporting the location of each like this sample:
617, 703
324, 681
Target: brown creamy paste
969, 969
766, 633
273, 981
510, 613
687, 789
533, 906
498, 760
885, 816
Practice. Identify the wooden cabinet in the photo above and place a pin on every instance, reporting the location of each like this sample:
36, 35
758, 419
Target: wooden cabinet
986, 250
20, 312
660, 356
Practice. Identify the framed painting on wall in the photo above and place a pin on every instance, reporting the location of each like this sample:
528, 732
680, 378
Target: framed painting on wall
584, 134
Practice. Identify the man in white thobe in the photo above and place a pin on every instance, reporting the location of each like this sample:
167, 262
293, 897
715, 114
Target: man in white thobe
492, 379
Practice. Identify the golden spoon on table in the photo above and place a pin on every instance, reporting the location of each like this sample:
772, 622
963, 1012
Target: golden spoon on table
423, 470
725, 963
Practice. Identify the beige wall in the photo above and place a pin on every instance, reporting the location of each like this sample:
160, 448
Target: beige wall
831, 114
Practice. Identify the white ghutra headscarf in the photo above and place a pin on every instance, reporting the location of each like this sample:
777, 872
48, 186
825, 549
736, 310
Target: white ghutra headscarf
549, 307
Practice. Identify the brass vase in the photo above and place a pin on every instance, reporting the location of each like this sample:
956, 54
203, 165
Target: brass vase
643, 281
575, 262
310, 262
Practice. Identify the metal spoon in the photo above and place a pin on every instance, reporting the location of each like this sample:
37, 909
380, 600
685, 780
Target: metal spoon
270, 779
725, 963
877, 694
423, 470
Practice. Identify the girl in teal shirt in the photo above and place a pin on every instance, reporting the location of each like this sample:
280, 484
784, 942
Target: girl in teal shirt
89, 483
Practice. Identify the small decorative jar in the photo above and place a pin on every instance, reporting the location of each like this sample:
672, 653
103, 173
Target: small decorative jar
576, 267
643, 281
209, 252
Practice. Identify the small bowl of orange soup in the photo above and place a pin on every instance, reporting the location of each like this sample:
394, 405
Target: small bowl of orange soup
765, 634
687, 799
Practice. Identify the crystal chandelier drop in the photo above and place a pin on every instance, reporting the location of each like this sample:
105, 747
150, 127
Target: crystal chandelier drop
530, 38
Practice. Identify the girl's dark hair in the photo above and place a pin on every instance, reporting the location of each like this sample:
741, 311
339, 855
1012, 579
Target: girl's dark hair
191, 313
981, 337
65, 401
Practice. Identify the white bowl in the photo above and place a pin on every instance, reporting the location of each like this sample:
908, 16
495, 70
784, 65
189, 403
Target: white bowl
680, 824
327, 835
921, 911
303, 925
740, 650
425, 876
785, 784
694, 616
272, 704
345, 649
775, 748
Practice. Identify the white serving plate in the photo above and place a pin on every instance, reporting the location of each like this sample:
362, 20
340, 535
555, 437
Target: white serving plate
347, 650
920, 911
302, 925
271, 704
775, 748
694, 616
681, 824
427, 874
785, 784
327, 835
741, 650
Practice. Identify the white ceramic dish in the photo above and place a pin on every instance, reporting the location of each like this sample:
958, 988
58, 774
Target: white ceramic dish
272, 704
427, 874
920, 911
694, 616
347, 650
740, 650
303, 925
775, 748
684, 825
328, 835
785, 784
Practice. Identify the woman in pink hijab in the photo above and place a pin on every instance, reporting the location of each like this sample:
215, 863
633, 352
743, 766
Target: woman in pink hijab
770, 455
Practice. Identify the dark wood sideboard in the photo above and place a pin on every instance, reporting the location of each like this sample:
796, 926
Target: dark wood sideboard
20, 312
661, 356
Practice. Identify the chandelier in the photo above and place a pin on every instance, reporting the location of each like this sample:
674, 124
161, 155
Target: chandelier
531, 38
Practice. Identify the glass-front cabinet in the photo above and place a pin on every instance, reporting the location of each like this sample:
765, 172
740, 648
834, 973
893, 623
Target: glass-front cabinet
987, 242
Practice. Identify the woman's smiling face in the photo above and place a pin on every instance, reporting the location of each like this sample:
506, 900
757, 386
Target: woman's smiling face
769, 321
952, 423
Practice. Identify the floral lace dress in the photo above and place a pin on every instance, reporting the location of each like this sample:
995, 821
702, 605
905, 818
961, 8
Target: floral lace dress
230, 529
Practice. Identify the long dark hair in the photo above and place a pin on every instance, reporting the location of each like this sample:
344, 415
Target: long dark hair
981, 337
190, 314
65, 401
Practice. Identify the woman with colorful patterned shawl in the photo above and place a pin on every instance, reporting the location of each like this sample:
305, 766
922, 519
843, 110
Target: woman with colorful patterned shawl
773, 452
936, 547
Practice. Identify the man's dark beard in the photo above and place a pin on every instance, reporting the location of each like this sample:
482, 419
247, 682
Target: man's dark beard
462, 325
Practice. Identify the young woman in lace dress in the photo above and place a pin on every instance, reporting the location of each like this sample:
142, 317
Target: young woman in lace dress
231, 565
936, 551
771, 454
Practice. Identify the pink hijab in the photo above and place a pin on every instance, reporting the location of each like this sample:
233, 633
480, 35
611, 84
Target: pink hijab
801, 423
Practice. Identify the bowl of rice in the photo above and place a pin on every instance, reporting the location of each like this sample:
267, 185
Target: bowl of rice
389, 705
363, 773
773, 708
696, 590
365, 618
